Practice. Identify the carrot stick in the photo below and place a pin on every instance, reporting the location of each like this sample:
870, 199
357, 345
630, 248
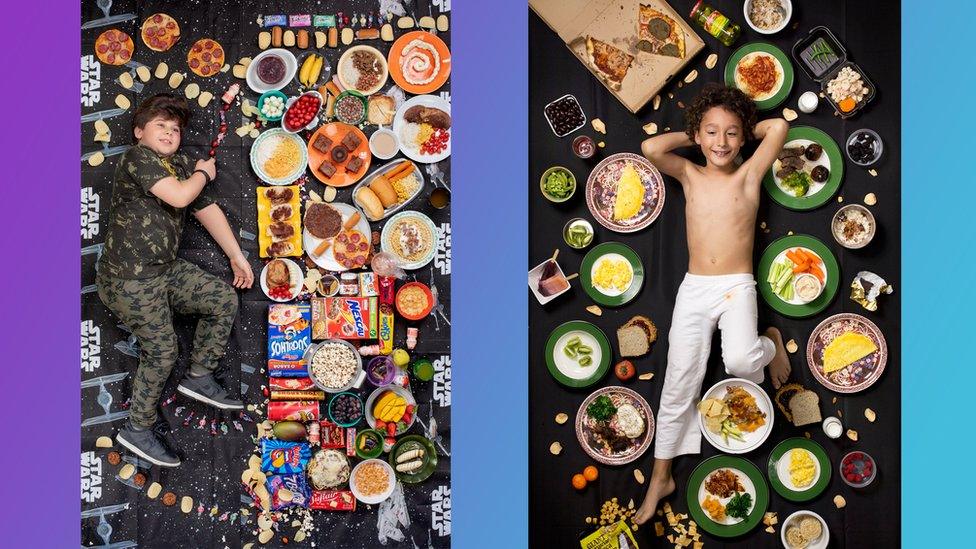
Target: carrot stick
794, 257
815, 271
802, 267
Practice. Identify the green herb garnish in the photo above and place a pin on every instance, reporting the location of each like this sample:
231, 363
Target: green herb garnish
601, 409
739, 505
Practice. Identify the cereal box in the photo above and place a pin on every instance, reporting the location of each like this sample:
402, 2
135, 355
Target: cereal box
344, 317
289, 335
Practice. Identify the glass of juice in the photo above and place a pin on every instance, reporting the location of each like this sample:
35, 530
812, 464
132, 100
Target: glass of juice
583, 146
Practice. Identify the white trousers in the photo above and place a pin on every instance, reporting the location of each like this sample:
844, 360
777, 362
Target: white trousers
728, 301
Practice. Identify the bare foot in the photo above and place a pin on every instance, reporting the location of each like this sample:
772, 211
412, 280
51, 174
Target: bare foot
779, 368
657, 490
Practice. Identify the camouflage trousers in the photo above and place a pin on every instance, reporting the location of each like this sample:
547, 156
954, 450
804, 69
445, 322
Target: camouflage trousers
147, 305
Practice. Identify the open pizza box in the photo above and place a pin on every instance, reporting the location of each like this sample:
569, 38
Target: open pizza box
616, 23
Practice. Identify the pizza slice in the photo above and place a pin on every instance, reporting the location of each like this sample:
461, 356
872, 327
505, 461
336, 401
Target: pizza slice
610, 63
659, 34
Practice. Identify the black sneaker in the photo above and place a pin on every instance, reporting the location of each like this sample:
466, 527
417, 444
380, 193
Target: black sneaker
146, 444
207, 390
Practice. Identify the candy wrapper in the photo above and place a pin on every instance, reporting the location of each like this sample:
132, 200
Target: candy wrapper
612, 536
368, 285
280, 457
867, 287
332, 435
291, 384
285, 410
288, 491
297, 395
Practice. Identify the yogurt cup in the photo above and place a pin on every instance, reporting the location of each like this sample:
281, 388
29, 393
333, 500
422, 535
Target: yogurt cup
384, 144
832, 427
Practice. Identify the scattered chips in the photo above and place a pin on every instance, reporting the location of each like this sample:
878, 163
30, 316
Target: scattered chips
691, 77
852, 434
599, 126
839, 501
561, 418
122, 102
103, 442
154, 490
873, 172
639, 476
162, 69
870, 199
192, 91
595, 309
127, 471
204, 99
656, 102
870, 415
555, 448
791, 346
126, 80
789, 114
96, 159
646, 377
711, 60
329, 194
186, 504
650, 129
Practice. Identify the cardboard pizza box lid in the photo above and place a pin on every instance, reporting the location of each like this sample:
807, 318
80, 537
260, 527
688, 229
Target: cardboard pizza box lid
615, 22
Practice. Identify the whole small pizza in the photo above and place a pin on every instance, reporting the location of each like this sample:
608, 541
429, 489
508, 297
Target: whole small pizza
114, 47
160, 32
206, 57
351, 248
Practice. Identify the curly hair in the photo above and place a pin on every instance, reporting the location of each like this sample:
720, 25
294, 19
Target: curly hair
730, 99
166, 105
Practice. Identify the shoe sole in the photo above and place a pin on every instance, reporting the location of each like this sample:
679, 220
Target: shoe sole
135, 450
197, 396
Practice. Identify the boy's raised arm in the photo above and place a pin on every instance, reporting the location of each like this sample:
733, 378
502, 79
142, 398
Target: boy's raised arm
659, 149
772, 132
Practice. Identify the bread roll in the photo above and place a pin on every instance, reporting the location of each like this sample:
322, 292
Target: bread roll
370, 203
381, 186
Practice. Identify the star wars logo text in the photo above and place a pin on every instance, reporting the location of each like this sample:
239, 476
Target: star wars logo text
442, 259
91, 477
442, 380
91, 346
91, 80
440, 510
89, 212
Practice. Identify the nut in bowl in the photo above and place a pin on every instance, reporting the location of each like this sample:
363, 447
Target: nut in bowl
558, 184
853, 226
767, 16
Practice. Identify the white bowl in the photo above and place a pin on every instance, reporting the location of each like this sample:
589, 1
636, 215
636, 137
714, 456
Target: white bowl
374, 499
291, 67
297, 280
801, 276
389, 132
787, 7
819, 543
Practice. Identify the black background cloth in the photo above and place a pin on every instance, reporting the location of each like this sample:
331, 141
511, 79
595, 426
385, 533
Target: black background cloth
870, 31
213, 463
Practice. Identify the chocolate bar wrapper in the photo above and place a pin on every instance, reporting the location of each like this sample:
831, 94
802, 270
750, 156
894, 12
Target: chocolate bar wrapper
291, 384
332, 435
386, 329
387, 289
285, 410
287, 369
289, 335
298, 395
324, 21
351, 441
293, 483
301, 20
333, 500
867, 287
280, 457
274, 21
344, 317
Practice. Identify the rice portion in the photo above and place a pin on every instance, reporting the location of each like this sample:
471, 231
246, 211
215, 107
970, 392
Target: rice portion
766, 14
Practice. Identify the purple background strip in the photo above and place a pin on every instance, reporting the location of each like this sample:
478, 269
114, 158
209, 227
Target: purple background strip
39, 379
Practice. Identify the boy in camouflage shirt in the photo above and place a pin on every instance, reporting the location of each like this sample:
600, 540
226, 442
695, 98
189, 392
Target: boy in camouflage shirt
141, 279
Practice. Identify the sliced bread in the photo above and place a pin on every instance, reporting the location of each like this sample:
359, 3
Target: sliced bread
632, 341
805, 406
645, 324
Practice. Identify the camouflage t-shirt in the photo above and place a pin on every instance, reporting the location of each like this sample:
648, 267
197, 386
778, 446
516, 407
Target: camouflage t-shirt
143, 231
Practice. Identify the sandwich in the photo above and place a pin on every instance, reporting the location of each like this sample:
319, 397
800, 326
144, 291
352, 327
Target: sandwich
636, 336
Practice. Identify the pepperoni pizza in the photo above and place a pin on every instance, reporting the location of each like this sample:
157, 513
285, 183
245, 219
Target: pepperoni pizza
114, 47
351, 249
205, 58
160, 32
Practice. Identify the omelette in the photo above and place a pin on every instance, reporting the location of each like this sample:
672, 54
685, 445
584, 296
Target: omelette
630, 194
845, 350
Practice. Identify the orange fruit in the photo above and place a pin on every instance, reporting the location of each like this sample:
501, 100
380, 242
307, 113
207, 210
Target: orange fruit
591, 473
579, 481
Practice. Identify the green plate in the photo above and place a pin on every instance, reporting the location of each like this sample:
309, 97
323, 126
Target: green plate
565, 369
587, 279
798, 310
784, 90
830, 187
408, 443
760, 499
781, 452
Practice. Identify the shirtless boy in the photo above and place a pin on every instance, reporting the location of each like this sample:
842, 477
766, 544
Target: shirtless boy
722, 198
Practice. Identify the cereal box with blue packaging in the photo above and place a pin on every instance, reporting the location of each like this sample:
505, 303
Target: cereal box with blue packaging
289, 335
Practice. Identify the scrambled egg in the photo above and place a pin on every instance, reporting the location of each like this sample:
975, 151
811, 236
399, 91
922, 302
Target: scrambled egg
630, 194
802, 468
612, 274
